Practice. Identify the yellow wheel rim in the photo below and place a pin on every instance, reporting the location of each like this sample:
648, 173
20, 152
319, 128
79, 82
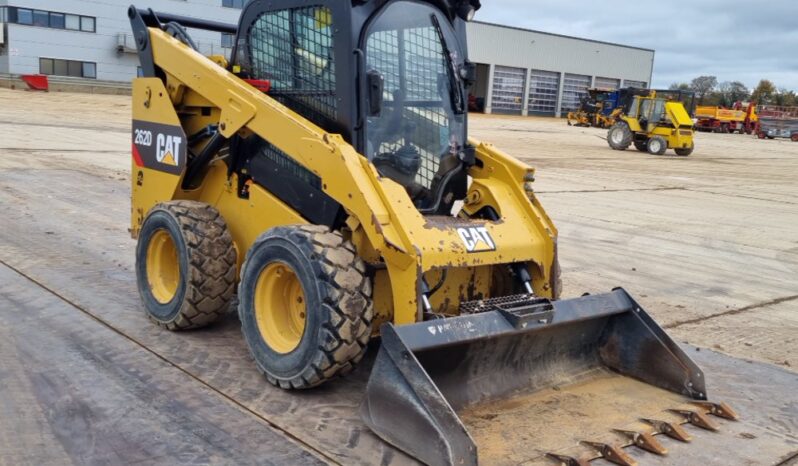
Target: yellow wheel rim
279, 303
163, 267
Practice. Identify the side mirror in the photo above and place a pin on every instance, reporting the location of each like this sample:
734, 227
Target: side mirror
468, 73
375, 85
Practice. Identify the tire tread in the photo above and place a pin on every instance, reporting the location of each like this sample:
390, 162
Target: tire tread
345, 292
211, 261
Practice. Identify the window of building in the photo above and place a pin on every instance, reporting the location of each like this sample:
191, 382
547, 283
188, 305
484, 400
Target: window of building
24, 16
87, 24
74, 68
41, 18
72, 22
227, 40
89, 70
139, 72
234, 3
46, 66
61, 67
57, 20
47, 19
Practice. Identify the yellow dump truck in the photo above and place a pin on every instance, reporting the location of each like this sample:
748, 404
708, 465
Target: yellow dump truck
724, 120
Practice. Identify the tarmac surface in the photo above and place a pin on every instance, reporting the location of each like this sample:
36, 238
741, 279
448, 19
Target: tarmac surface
708, 244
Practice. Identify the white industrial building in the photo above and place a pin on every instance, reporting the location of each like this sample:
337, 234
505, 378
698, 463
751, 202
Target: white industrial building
527, 72
519, 71
91, 39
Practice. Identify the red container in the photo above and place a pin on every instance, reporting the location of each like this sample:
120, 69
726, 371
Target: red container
36, 82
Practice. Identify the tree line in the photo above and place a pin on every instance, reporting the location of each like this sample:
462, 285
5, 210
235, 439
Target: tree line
709, 92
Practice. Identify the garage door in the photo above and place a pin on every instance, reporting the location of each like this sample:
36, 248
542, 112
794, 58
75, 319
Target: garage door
630, 83
508, 90
574, 88
543, 87
607, 83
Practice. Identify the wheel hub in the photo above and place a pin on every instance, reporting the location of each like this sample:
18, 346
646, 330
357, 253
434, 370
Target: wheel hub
163, 267
655, 145
279, 302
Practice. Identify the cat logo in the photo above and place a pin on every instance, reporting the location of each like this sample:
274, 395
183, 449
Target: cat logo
476, 239
167, 149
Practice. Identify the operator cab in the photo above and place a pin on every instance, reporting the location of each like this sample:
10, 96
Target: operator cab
650, 112
405, 105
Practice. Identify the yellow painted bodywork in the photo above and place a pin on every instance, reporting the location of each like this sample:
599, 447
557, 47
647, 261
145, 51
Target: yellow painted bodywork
383, 223
596, 119
676, 129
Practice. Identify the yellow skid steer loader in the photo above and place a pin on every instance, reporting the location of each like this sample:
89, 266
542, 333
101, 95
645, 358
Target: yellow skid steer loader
324, 174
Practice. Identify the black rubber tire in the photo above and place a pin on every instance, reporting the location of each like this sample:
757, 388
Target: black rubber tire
206, 257
642, 146
619, 142
684, 152
338, 302
657, 145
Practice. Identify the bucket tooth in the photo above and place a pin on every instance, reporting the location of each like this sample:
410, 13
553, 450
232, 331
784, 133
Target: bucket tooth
718, 409
644, 440
612, 453
697, 419
566, 460
671, 429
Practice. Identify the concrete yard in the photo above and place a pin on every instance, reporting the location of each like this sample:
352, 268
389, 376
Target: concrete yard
708, 244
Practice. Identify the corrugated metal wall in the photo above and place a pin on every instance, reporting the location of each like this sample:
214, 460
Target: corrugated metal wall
519, 48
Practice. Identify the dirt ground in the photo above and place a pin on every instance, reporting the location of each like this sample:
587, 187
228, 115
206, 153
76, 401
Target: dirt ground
708, 244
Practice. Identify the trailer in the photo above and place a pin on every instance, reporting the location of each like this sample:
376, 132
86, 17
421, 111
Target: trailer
723, 120
774, 127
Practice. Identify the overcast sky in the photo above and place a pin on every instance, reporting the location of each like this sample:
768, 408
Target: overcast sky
733, 40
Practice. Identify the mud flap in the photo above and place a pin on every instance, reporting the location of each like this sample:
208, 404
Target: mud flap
427, 375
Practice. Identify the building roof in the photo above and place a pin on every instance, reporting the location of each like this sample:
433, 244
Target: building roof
504, 26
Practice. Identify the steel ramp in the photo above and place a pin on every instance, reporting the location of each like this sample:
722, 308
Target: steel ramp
505, 387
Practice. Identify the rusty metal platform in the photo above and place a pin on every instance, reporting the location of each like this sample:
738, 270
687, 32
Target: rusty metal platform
85, 378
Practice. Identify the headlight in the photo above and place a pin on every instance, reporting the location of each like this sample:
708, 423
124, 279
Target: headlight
466, 12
